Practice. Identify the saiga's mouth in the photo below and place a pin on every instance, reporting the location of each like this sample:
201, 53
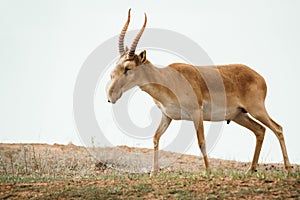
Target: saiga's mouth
114, 98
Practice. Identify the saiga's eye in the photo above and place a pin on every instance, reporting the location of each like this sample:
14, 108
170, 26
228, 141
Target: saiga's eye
126, 70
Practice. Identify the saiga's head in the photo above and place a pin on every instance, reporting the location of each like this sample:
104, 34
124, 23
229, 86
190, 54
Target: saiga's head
126, 75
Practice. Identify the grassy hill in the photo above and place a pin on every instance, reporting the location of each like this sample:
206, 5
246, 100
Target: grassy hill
41, 171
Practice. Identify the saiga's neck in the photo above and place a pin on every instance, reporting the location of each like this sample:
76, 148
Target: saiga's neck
156, 82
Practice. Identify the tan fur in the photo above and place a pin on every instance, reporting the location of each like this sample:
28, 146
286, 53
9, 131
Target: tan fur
232, 92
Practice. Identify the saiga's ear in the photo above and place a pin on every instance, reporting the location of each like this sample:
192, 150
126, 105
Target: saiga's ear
142, 56
126, 49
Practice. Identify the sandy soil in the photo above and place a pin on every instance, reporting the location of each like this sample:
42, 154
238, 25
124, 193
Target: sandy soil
68, 171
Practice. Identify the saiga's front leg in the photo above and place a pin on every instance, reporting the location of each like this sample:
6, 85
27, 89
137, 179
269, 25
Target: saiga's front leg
198, 123
164, 124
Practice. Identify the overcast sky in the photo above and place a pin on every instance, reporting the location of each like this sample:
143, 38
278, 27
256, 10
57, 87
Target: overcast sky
43, 45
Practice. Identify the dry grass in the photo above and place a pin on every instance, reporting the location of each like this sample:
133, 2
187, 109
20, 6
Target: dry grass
42, 171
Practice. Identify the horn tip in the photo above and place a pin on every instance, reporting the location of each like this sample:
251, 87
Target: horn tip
129, 12
145, 19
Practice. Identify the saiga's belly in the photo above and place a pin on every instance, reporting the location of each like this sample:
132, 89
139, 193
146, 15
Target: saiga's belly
210, 112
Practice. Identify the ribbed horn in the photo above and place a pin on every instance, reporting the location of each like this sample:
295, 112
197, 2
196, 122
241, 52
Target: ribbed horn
122, 34
137, 38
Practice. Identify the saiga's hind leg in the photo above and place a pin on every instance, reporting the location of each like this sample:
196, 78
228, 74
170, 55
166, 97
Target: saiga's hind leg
259, 112
244, 120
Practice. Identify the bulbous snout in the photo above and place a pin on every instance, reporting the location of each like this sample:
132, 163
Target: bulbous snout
112, 93
110, 100
113, 98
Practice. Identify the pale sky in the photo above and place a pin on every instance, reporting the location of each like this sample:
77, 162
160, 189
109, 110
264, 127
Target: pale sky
45, 43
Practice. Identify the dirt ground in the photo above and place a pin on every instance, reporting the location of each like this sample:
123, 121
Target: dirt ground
41, 171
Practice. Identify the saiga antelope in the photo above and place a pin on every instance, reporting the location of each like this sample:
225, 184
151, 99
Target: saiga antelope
181, 93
